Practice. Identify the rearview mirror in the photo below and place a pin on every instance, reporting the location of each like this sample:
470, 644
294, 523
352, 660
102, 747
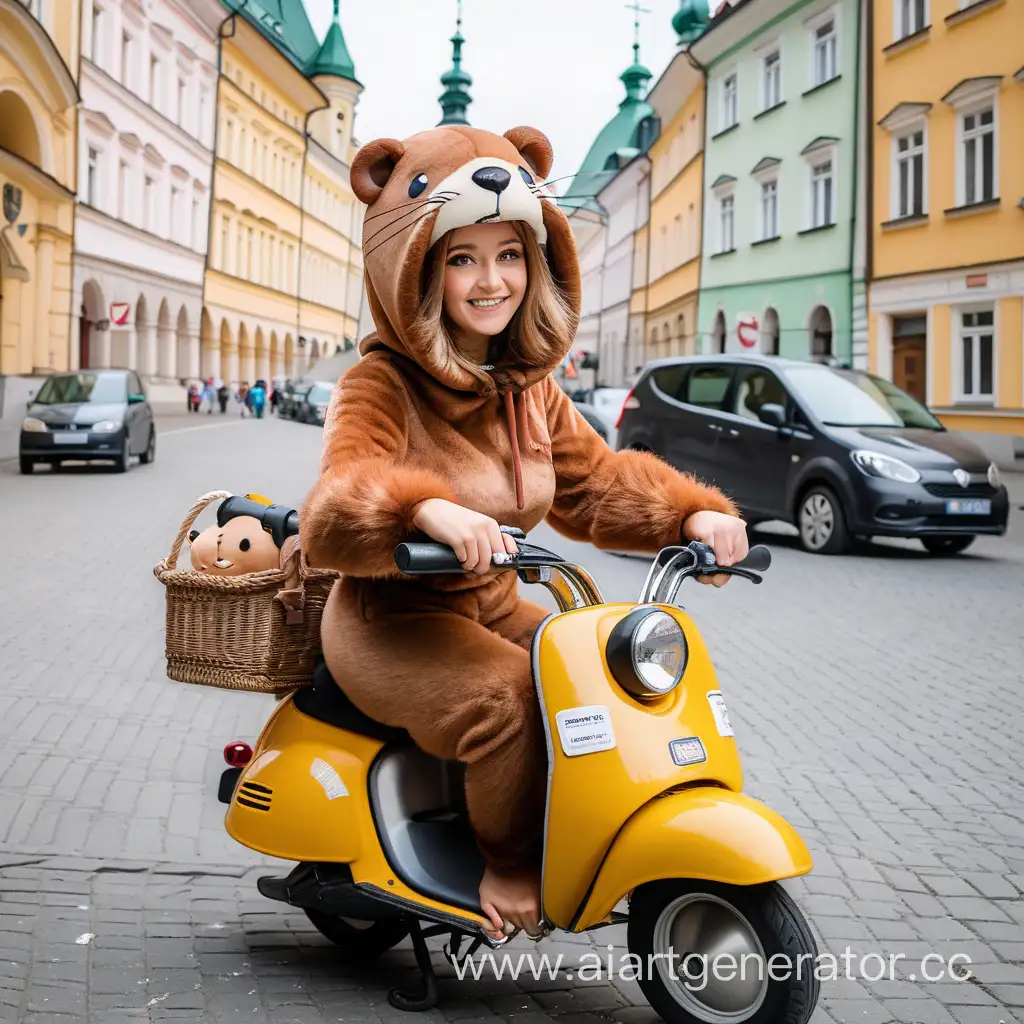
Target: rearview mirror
136, 399
772, 414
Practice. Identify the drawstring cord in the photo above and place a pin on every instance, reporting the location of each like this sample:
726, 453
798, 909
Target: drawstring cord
513, 434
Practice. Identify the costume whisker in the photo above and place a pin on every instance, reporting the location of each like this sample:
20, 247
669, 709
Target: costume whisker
404, 227
415, 202
408, 213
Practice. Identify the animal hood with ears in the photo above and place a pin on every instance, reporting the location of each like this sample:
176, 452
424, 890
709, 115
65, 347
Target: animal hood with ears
434, 182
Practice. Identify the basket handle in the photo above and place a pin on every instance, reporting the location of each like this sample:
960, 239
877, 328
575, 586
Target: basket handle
293, 594
186, 523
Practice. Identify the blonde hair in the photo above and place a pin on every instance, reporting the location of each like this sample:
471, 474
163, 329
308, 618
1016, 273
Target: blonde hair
540, 331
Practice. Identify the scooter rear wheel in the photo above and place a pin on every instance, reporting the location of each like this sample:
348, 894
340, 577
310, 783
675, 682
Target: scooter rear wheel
358, 940
680, 929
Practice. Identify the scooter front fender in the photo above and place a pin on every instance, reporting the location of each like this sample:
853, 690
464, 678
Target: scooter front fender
706, 832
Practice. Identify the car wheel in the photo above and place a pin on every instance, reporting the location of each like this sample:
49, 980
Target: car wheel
26, 465
821, 522
946, 545
150, 453
124, 460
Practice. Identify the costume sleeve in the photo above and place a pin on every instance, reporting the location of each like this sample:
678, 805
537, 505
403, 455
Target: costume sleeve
628, 500
362, 506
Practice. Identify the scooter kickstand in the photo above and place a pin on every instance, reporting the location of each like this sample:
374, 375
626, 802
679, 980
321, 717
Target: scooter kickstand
427, 997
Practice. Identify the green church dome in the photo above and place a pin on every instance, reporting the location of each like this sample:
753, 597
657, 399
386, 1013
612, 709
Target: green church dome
690, 20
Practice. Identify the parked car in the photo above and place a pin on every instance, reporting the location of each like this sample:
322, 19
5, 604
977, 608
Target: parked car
291, 396
607, 402
91, 414
594, 418
312, 407
836, 452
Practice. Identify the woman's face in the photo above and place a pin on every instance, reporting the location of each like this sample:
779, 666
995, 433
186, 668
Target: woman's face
484, 279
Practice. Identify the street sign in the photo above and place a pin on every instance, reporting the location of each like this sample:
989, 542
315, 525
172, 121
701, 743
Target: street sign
746, 330
119, 313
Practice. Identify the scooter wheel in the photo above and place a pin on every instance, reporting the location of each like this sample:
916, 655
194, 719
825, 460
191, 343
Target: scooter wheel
358, 940
707, 949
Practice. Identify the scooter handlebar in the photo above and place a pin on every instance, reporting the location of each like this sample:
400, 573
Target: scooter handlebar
758, 559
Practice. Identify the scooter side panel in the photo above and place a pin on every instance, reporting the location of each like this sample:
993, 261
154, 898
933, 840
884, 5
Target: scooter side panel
622, 762
705, 833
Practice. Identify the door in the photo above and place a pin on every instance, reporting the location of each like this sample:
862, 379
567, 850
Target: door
692, 444
755, 459
909, 366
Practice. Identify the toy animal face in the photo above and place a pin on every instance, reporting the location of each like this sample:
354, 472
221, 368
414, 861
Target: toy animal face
239, 546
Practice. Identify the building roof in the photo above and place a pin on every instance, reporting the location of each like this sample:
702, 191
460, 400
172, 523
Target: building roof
455, 99
333, 57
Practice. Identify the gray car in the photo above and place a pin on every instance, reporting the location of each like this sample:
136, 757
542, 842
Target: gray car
86, 415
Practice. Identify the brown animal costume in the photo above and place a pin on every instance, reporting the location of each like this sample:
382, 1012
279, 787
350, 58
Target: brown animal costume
447, 657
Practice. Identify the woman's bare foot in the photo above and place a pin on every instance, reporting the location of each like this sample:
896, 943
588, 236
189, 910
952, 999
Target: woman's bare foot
513, 897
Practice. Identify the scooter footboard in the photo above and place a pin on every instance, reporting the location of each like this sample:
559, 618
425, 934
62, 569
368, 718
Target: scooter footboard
303, 796
705, 832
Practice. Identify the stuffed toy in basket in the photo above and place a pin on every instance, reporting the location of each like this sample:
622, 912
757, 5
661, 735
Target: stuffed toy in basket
247, 615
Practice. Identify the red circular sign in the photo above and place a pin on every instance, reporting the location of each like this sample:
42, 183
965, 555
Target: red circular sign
746, 331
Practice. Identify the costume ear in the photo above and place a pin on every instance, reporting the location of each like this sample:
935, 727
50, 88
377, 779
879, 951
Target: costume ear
372, 168
534, 147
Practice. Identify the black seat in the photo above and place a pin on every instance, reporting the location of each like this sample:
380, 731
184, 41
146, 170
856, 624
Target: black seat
325, 701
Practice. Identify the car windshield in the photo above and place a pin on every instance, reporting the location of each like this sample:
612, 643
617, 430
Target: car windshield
851, 398
319, 394
98, 388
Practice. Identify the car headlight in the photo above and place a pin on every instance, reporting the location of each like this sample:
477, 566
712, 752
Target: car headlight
994, 476
647, 653
877, 464
33, 426
106, 427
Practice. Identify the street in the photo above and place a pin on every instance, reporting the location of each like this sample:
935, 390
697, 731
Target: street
876, 698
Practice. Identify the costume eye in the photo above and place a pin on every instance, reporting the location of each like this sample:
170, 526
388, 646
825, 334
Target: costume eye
192, 536
243, 544
419, 183
525, 174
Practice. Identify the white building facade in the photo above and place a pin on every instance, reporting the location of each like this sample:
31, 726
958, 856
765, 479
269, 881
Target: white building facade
146, 136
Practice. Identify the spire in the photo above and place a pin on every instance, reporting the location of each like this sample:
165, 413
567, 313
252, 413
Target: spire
636, 77
456, 99
690, 21
333, 57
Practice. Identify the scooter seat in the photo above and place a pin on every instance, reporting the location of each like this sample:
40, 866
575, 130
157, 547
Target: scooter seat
325, 701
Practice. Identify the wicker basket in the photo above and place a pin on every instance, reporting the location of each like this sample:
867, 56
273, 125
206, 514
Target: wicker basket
258, 632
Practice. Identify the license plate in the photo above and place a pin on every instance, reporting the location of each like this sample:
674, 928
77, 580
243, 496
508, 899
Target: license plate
969, 507
70, 438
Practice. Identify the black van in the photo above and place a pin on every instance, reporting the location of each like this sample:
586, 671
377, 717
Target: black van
836, 452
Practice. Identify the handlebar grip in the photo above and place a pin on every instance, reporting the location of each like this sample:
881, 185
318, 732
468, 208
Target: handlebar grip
424, 557
279, 521
758, 559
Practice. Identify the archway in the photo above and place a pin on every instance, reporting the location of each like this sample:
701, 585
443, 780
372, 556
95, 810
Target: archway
188, 362
820, 329
276, 364
165, 343
262, 357
770, 333
209, 351
682, 346
246, 356
718, 334
18, 132
314, 353
228, 356
289, 356
93, 344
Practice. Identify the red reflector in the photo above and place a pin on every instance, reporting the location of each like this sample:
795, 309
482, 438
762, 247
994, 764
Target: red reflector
238, 755
629, 403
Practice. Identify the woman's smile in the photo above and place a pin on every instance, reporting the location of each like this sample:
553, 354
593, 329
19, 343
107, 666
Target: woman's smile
488, 304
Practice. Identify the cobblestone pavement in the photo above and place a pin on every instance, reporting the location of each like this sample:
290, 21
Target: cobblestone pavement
877, 700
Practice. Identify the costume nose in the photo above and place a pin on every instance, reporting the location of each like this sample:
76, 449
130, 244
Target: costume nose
494, 179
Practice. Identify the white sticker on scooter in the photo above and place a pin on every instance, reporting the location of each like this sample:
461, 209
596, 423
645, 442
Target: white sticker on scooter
585, 730
328, 778
721, 713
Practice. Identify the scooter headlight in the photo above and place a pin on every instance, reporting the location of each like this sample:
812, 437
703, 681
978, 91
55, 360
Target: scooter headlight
647, 653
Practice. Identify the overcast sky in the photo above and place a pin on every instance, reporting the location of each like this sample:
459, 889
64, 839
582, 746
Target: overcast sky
552, 64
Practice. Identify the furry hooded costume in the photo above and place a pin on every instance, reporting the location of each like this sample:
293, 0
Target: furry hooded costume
447, 657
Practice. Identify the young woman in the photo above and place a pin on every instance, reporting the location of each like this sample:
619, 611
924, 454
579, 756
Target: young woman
449, 426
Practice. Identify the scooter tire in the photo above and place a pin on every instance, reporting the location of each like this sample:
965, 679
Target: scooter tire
363, 941
769, 912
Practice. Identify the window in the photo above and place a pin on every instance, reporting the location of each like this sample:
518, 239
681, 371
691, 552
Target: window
757, 388
124, 192
96, 43
707, 386
825, 52
174, 227
979, 140
822, 199
772, 81
203, 102
92, 177
976, 340
910, 174
181, 102
912, 15
149, 216
154, 82
769, 210
726, 224
197, 223
126, 60
224, 235
250, 266
669, 379
730, 115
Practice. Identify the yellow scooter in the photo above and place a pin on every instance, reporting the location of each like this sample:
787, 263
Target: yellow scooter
644, 803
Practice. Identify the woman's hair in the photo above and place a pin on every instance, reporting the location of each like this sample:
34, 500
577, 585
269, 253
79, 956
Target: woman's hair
541, 329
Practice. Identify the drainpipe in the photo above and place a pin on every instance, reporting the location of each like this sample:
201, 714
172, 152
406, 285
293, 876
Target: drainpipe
703, 172
856, 164
869, 249
606, 217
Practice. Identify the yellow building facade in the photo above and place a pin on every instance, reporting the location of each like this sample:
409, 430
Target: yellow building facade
668, 247
284, 275
38, 47
947, 292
